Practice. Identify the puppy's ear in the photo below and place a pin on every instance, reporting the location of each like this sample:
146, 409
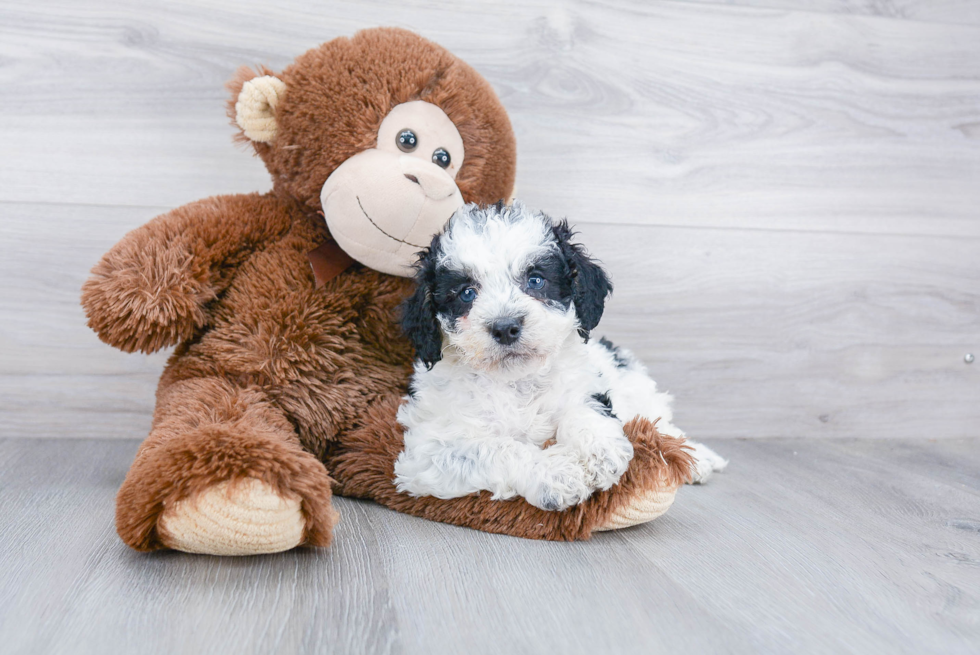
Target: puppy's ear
419, 312
590, 284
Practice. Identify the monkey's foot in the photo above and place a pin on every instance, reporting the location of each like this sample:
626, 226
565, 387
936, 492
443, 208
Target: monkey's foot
247, 517
643, 508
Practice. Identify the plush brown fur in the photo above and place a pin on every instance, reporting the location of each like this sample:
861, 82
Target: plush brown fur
206, 431
273, 377
355, 82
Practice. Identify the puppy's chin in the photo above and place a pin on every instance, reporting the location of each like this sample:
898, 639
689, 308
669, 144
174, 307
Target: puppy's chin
516, 361
490, 357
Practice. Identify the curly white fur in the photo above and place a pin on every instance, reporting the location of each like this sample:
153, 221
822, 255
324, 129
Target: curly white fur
482, 416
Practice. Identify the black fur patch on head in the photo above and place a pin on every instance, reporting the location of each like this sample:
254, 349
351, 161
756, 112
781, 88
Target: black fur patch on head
590, 284
446, 287
437, 295
621, 362
606, 408
557, 275
419, 311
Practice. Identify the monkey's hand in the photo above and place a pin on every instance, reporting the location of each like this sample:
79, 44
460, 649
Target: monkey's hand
152, 289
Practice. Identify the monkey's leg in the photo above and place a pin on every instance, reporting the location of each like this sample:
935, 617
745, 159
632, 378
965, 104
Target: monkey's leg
222, 472
363, 466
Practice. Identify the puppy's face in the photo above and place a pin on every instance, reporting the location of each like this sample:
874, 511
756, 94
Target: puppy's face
504, 288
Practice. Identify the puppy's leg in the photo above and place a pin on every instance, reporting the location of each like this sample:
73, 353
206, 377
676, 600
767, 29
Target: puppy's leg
706, 462
598, 438
634, 394
558, 480
550, 479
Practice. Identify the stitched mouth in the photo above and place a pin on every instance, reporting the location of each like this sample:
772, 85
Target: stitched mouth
378, 227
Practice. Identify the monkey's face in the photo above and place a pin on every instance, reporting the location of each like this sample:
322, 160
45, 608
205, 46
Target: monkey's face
371, 130
384, 204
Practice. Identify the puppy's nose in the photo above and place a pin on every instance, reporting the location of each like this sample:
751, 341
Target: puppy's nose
506, 331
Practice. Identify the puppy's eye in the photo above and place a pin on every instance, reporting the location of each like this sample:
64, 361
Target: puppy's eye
406, 140
468, 294
441, 157
535, 282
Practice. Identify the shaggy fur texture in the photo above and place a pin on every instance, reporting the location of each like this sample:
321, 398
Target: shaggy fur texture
355, 82
364, 468
207, 431
273, 378
504, 302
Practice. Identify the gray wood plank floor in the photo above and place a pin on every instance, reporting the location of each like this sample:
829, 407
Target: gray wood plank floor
803, 546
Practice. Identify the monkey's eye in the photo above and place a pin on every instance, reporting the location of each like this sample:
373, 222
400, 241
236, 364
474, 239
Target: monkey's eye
535, 282
441, 157
406, 140
468, 295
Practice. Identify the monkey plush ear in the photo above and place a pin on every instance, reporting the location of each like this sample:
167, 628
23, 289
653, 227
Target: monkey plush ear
255, 109
419, 320
590, 284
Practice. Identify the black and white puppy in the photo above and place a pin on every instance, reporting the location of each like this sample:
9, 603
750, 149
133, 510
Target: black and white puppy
500, 322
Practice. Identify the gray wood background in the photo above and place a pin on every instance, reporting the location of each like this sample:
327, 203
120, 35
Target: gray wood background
786, 192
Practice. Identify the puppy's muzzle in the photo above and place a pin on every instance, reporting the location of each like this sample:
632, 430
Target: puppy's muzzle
507, 330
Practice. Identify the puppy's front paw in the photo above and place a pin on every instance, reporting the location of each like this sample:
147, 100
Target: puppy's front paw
706, 462
608, 458
559, 482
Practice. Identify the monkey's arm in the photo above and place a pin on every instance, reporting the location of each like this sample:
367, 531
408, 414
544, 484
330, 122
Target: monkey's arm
151, 290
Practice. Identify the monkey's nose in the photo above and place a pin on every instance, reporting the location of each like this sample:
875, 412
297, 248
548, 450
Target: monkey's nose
506, 331
435, 182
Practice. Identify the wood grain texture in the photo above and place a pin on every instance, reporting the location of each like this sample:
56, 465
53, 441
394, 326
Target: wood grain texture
757, 333
956, 12
802, 546
785, 193
651, 113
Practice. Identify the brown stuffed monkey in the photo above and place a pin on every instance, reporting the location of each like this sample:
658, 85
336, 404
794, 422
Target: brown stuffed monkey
286, 377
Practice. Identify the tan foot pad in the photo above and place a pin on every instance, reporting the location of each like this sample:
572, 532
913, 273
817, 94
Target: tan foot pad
643, 509
248, 518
